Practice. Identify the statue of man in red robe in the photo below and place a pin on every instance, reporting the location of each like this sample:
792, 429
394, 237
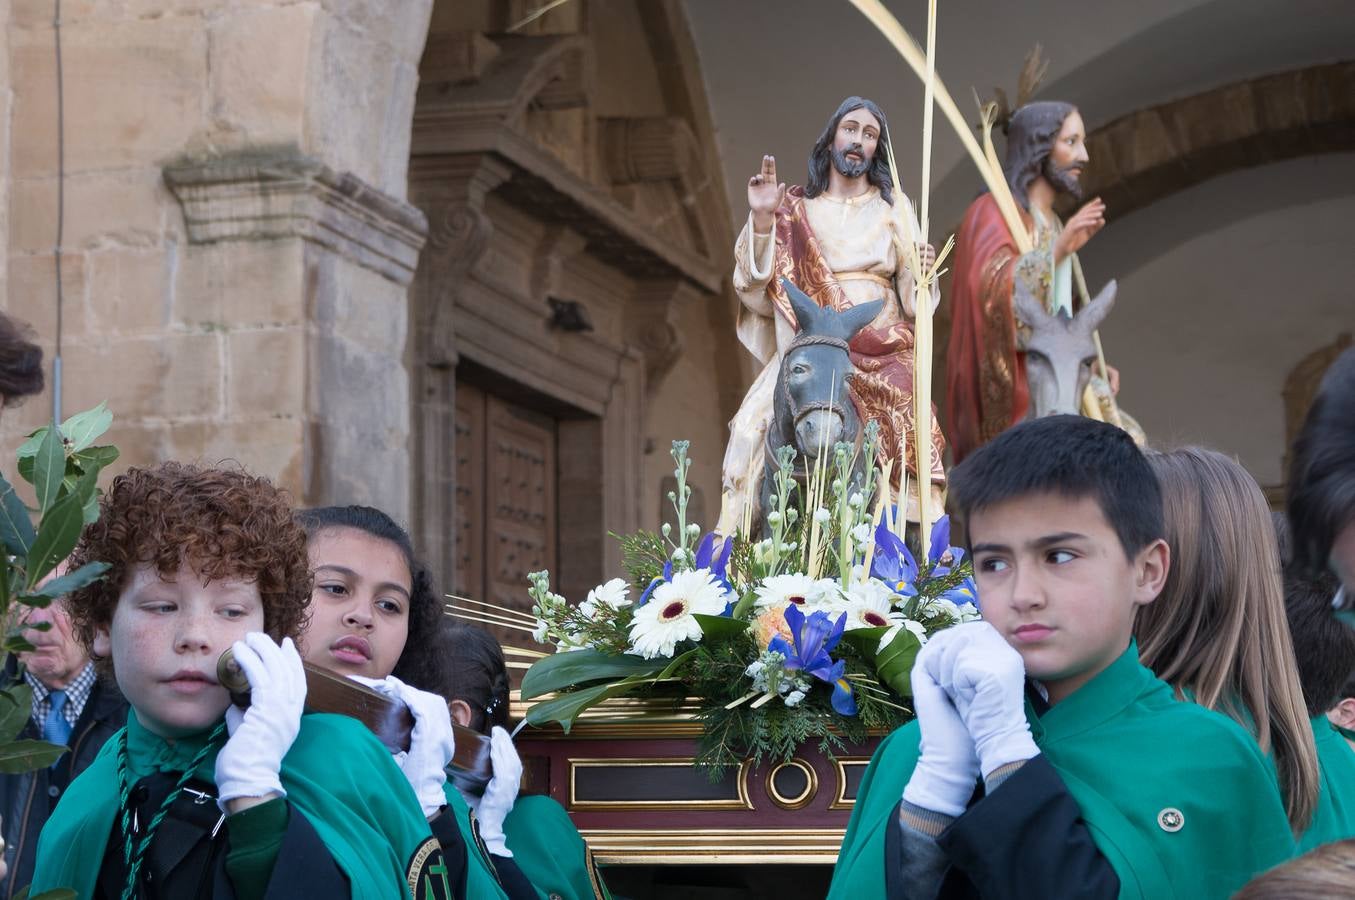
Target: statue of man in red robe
986, 390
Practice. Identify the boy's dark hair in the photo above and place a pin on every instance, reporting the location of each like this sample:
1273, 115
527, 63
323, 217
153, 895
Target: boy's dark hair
1324, 647
1321, 498
425, 607
222, 522
468, 665
1068, 455
20, 363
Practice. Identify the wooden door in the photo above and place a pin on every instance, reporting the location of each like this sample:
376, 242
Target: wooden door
505, 501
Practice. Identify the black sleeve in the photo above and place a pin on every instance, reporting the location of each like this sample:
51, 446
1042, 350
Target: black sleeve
1027, 839
448, 833
514, 882
305, 867
916, 867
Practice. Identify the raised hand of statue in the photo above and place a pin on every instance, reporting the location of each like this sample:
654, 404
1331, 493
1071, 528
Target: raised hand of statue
765, 195
1079, 229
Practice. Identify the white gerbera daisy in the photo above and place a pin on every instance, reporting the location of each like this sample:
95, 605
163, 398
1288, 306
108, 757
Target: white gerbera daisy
667, 618
869, 604
801, 590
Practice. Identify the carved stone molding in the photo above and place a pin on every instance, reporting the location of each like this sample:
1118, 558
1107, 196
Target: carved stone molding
452, 192
648, 148
274, 194
652, 325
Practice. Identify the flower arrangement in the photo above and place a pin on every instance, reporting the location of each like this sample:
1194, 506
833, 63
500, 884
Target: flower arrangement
808, 633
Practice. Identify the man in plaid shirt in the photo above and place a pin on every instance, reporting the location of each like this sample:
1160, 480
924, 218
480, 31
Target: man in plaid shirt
70, 706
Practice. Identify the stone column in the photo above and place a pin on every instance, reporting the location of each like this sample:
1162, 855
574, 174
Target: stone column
237, 246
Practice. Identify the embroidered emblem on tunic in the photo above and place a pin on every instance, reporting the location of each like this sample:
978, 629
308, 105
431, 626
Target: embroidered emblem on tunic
427, 873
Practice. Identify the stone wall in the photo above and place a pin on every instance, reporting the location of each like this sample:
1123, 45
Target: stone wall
250, 303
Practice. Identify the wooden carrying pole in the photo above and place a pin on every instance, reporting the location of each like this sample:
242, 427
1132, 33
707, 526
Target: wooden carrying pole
387, 718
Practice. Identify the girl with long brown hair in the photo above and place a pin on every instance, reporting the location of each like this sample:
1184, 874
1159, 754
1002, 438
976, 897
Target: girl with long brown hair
1217, 632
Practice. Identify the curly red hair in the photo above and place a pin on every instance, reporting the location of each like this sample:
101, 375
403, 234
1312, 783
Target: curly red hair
223, 523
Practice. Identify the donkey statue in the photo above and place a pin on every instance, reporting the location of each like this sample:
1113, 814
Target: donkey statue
1060, 351
812, 409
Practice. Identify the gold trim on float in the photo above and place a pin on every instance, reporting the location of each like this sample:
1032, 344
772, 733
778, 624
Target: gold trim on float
635, 762
714, 846
840, 764
811, 785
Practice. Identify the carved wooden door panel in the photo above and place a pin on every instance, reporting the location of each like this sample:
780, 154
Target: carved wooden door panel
506, 501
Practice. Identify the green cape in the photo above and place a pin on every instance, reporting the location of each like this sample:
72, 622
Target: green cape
1334, 818
551, 852
1127, 751
336, 774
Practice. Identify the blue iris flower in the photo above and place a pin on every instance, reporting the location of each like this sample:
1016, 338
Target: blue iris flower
964, 592
941, 549
814, 637
893, 562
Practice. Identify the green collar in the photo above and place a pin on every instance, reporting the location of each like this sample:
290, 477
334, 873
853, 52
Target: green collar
147, 752
1103, 698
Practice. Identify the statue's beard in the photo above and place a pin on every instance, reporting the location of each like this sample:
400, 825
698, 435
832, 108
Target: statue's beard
1062, 179
845, 167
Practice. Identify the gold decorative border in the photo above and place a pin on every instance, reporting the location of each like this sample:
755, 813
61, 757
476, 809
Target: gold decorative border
840, 763
686, 762
714, 846
811, 785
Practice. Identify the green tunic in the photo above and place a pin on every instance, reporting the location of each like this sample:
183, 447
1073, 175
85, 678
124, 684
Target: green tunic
551, 852
1334, 818
480, 878
336, 774
1138, 762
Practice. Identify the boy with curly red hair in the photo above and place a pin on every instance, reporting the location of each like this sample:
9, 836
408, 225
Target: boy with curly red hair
197, 797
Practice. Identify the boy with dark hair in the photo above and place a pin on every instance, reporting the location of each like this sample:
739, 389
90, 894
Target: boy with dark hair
196, 797
1095, 780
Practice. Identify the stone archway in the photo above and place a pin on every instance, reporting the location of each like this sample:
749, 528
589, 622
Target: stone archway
1151, 153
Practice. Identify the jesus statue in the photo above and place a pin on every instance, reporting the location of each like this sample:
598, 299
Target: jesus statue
837, 238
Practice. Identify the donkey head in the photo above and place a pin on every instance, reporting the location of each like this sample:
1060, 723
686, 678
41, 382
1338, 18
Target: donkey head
1060, 352
812, 397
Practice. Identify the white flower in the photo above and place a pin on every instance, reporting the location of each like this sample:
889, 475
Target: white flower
869, 604
959, 613
915, 627
822, 516
667, 618
861, 533
539, 632
612, 594
801, 590
795, 698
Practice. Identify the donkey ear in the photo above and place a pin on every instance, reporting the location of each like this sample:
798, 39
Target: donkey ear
1026, 305
806, 310
1094, 313
852, 320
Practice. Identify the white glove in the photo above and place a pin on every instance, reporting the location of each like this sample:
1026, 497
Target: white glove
249, 764
986, 680
948, 768
430, 746
501, 793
